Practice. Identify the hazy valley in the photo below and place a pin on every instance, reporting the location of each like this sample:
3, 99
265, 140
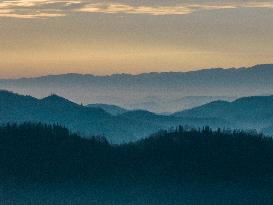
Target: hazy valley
146, 102
156, 92
166, 143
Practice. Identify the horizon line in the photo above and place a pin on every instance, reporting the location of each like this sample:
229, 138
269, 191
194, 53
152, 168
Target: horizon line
133, 74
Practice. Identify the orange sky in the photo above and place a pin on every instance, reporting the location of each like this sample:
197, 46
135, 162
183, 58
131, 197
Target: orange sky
39, 37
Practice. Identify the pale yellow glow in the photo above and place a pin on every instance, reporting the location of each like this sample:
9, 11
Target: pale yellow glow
39, 37
33, 63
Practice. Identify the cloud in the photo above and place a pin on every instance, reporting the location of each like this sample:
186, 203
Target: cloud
123, 8
156, 10
30, 16
268, 5
56, 8
182, 9
28, 9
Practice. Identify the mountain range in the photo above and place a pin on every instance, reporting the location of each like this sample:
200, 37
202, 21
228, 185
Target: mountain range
90, 121
244, 113
111, 109
255, 112
156, 92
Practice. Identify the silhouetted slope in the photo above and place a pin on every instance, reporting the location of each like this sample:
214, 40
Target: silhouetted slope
126, 127
248, 112
189, 102
111, 109
55, 109
213, 109
42, 152
42, 164
141, 114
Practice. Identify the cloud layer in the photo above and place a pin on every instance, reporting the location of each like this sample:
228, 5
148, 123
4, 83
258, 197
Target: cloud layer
56, 8
36, 8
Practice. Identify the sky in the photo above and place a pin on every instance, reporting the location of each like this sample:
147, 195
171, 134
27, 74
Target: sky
40, 37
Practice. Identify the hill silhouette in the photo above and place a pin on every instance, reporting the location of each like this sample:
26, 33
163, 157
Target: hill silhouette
89, 121
169, 165
111, 109
254, 112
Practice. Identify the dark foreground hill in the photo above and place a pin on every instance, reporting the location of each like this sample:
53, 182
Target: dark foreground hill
43, 164
89, 120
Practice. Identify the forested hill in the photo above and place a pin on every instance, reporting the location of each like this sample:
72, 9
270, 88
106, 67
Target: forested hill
43, 153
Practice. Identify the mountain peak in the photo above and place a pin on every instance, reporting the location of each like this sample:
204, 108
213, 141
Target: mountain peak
55, 98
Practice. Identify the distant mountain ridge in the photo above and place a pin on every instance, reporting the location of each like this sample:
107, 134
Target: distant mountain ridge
246, 113
156, 92
256, 68
90, 121
111, 109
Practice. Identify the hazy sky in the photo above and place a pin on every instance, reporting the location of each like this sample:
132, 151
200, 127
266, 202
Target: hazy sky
39, 37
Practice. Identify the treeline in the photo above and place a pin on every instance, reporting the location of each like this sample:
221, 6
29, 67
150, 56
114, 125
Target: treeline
50, 153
